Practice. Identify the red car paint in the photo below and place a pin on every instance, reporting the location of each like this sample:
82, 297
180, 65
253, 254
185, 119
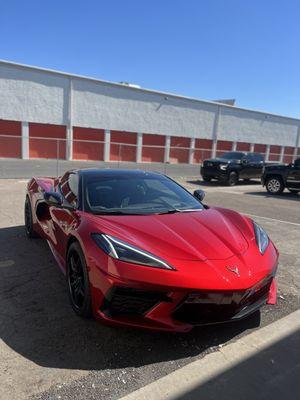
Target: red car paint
204, 248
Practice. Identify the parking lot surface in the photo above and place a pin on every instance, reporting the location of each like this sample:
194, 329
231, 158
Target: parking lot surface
49, 353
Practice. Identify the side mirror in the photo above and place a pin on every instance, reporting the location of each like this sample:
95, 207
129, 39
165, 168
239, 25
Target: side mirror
199, 194
244, 161
53, 199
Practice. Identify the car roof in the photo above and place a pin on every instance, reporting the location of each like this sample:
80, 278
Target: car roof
106, 172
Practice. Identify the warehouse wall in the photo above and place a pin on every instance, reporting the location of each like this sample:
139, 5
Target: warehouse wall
32, 95
243, 125
84, 109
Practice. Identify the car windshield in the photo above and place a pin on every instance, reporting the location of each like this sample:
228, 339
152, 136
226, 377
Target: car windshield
233, 155
136, 194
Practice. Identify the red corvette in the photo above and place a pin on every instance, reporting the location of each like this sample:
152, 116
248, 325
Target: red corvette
139, 250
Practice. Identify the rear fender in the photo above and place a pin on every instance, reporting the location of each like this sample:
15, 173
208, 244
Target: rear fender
35, 192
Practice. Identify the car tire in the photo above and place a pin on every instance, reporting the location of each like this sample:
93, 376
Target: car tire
78, 282
28, 221
206, 179
295, 191
274, 185
233, 178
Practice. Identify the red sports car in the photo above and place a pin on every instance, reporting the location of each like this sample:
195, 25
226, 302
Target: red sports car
139, 250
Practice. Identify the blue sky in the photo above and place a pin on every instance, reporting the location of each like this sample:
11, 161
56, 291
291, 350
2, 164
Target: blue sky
243, 49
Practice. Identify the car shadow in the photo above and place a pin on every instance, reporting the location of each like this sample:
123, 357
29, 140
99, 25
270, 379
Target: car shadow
283, 196
37, 322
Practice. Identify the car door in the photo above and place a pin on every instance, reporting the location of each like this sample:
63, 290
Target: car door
65, 218
257, 165
246, 167
293, 176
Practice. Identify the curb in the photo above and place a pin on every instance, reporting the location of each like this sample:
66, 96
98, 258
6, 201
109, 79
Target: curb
182, 383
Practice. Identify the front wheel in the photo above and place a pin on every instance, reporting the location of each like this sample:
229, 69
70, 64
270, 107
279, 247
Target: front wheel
274, 185
78, 282
30, 232
232, 179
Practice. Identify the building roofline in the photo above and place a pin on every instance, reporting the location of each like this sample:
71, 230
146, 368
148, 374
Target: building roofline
150, 91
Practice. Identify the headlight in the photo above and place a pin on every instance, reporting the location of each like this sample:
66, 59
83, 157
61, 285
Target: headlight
261, 237
123, 251
223, 166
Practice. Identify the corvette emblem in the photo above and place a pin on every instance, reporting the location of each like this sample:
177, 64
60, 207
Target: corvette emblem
233, 269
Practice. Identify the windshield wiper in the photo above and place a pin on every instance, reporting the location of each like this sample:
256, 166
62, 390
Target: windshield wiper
150, 212
177, 210
173, 211
115, 212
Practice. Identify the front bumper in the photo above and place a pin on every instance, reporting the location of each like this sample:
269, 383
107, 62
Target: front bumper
180, 311
214, 173
130, 295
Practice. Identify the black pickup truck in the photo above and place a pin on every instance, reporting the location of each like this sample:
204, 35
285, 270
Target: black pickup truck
278, 177
232, 166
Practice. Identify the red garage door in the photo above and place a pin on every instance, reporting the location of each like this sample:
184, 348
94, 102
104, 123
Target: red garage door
85, 150
243, 146
274, 153
179, 151
288, 154
203, 148
156, 153
260, 148
223, 146
10, 146
122, 152
44, 141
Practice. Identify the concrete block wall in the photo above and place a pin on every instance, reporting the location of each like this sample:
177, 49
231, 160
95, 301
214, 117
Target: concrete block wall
47, 114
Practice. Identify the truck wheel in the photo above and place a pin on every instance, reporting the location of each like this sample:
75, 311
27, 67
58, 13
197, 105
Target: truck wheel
232, 179
274, 185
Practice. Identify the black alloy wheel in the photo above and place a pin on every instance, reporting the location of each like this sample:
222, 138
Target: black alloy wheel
78, 282
274, 185
232, 179
30, 232
206, 179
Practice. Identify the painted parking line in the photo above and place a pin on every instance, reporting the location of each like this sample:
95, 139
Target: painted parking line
272, 219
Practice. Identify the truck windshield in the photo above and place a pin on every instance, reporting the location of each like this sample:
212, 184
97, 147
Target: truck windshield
233, 155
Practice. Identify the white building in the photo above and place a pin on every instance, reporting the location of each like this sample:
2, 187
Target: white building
70, 110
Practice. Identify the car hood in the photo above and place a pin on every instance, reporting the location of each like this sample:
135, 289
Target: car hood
210, 234
276, 167
220, 160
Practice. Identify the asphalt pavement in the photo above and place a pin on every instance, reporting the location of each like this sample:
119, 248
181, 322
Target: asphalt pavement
14, 168
262, 365
49, 353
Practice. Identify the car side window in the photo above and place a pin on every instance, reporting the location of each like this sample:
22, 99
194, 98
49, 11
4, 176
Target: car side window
297, 163
69, 187
248, 158
257, 157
